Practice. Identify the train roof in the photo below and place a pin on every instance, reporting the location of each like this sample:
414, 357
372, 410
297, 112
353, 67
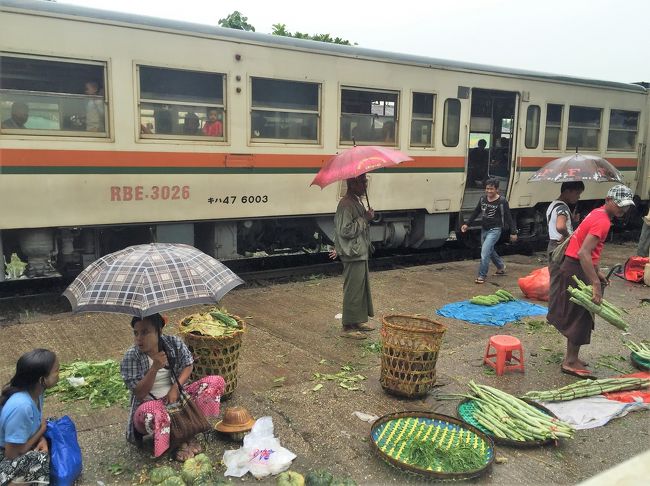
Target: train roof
121, 18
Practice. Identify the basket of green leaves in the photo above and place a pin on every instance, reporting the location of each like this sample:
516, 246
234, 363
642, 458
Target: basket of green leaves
214, 338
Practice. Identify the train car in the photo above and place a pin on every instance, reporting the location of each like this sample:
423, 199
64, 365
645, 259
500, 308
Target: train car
125, 129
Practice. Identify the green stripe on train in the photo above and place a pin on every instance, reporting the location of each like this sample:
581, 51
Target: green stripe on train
196, 170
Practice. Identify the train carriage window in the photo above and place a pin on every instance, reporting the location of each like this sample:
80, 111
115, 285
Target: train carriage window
553, 126
623, 129
584, 128
285, 110
176, 103
451, 123
46, 96
532, 127
368, 116
422, 120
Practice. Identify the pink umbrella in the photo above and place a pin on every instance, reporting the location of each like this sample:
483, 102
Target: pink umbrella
356, 161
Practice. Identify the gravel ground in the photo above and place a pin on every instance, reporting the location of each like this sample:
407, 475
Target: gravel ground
293, 333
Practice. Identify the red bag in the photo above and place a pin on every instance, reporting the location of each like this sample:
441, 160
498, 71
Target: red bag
537, 284
634, 268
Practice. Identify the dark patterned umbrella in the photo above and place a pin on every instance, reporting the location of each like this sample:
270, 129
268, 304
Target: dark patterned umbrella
144, 279
578, 167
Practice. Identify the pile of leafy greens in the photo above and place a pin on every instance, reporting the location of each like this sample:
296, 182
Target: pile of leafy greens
102, 384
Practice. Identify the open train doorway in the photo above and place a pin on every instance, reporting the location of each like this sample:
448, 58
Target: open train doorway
491, 142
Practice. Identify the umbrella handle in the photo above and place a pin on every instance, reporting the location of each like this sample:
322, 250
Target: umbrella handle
367, 200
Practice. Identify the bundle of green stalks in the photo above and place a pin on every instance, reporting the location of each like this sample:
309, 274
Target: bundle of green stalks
588, 388
509, 417
582, 296
641, 349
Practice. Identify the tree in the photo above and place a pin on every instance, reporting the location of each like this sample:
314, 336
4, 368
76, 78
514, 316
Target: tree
281, 29
236, 21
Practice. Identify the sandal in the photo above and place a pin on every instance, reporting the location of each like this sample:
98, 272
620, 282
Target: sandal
353, 335
501, 271
364, 327
579, 372
183, 453
479, 280
194, 447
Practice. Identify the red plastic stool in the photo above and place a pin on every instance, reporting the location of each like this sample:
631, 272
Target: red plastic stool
504, 346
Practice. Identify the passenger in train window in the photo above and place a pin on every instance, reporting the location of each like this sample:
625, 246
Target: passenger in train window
477, 164
388, 132
353, 247
19, 116
500, 159
213, 127
94, 107
495, 217
192, 124
163, 120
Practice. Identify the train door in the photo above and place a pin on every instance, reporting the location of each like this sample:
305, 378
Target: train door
491, 142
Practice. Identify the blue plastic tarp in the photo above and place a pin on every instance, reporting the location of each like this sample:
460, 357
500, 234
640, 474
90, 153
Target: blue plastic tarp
492, 315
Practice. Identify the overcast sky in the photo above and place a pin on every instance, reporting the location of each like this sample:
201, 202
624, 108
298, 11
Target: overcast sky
602, 39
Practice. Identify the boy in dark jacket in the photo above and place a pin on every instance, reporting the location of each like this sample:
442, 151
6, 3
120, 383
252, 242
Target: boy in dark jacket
495, 217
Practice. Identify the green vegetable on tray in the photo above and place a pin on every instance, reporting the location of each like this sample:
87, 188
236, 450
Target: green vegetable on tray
493, 299
214, 323
588, 388
426, 453
583, 295
508, 417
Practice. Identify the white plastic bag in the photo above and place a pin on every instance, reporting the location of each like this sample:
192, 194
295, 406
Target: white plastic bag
260, 455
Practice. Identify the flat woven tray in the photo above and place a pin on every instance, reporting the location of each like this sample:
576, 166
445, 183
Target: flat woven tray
392, 434
639, 363
466, 409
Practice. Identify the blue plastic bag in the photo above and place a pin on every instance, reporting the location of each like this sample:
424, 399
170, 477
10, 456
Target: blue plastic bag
65, 453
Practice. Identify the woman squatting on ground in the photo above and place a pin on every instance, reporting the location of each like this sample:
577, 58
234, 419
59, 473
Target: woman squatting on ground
147, 372
24, 453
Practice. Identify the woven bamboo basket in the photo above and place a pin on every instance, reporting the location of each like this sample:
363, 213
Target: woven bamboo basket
216, 355
409, 352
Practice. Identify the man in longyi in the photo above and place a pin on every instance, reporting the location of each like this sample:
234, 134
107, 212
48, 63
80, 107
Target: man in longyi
352, 243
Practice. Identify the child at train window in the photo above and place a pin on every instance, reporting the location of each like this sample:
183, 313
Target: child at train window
24, 453
94, 108
495, 217
213, 126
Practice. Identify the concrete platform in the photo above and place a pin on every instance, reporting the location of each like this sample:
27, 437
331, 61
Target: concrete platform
293, 334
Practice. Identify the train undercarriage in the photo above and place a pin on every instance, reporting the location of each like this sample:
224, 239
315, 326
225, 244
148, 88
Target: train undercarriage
55, 252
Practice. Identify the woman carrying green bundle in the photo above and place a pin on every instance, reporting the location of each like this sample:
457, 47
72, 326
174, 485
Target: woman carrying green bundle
582, 258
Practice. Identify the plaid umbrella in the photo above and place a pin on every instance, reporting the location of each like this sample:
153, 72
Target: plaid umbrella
144, 279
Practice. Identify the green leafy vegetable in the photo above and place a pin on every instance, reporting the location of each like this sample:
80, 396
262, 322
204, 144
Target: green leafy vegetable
428, 454
102, 384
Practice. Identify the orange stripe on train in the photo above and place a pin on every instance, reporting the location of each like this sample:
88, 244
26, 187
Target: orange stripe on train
97, 158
